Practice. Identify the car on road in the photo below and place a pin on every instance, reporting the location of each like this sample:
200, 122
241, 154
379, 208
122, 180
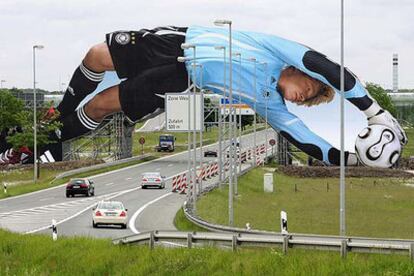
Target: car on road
152, 179
83, 186
110, 213
210, 153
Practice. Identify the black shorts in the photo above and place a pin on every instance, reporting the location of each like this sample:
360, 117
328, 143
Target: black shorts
133, 52
148, 61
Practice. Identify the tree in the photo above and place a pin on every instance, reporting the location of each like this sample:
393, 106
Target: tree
381, 96
13, 114
44, 128
10, 109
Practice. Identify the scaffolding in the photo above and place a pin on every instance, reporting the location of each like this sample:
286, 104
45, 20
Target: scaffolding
112, 140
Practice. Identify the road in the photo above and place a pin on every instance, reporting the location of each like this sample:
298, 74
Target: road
152, 208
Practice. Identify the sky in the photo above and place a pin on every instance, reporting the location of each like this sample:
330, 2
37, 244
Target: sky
374, 30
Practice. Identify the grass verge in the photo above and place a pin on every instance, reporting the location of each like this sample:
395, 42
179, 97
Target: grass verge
39, 255
375, 207
183, 224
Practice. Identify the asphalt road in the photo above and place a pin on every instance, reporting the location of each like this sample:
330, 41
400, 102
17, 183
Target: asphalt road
147, 209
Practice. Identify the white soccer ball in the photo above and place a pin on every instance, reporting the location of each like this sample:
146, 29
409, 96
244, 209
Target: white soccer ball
378, 146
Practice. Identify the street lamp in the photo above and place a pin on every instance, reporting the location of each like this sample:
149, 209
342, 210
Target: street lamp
223, 22
221, 116
342, 225
39, 47
189, 160
185, 46
240, 121
254, 60
266, 95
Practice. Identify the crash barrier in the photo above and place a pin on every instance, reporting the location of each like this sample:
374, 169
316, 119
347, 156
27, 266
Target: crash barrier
183, 185
262, 148
180, 184
100, 166
259, 160
249, 238
176, 182
243, 157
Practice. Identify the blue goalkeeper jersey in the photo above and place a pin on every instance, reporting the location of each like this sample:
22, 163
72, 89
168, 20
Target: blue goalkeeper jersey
273, 54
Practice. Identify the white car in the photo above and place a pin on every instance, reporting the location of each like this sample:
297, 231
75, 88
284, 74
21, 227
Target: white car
152, 179
110, 213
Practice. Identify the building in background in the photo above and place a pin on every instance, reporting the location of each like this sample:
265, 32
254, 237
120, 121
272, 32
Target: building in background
395, 73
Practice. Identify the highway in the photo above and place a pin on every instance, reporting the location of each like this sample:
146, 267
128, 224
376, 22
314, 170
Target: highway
148, 209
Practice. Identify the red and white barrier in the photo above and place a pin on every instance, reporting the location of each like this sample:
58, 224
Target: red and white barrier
215, 168
183, 184
243, 157
176, 182
262, 148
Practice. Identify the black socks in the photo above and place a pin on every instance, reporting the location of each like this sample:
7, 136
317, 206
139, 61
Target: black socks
84, 81
76, 124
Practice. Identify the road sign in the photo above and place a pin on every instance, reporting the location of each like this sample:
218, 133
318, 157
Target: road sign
272, 142
177, 113
142, 140
239, 108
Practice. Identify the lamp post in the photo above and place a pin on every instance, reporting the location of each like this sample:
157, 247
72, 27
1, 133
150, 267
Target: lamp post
221, 116
237, 54
189, 161
266, 100
254, 60
194, 65
224, 22
39, 47
342, 228
200, 179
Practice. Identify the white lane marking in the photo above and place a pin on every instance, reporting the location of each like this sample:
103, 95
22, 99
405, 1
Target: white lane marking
81, 211
46, 198
157, 169
170, 165
128, 178
140, 210
109, 184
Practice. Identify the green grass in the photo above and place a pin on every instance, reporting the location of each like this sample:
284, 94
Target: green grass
39, 255
183, 224
409, 148
47, 177
374, 207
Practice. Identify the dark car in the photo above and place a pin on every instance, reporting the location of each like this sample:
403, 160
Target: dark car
80, 186
212, 153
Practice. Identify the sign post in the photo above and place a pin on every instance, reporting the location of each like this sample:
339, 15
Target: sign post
177, 115
272, 142
142, 142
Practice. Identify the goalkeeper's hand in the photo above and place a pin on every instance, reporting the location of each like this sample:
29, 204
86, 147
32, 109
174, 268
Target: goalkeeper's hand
383, 117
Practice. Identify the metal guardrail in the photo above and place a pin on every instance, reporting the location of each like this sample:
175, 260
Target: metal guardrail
323, 242
235, 240
100, 166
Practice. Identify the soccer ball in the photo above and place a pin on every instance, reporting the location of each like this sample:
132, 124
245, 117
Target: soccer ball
378, 146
